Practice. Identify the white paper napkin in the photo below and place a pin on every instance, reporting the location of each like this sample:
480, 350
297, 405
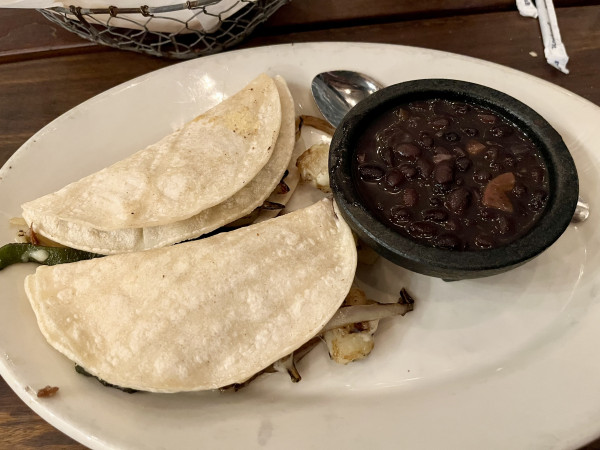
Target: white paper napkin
196, 19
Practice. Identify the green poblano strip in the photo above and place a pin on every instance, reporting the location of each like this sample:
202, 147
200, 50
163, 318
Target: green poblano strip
49, 256
82, 371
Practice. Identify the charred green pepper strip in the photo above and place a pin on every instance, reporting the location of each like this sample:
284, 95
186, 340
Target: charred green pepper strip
49, 256
82, 371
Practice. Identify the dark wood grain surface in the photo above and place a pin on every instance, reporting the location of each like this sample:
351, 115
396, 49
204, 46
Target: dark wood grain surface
45, 70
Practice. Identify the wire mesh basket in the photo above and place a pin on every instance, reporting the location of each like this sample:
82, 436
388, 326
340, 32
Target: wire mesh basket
180, 31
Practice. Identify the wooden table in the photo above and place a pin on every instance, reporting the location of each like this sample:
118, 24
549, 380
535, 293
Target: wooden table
45, 70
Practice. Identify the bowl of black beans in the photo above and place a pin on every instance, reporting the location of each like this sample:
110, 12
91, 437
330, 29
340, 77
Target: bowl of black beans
452, 179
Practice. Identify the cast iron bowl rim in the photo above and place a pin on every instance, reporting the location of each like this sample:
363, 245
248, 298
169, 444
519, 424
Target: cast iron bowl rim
449, 264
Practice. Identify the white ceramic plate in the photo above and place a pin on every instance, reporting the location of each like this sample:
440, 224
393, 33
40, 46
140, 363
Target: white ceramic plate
503, 362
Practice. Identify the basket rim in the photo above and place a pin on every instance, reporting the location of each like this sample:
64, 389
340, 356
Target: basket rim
144, 10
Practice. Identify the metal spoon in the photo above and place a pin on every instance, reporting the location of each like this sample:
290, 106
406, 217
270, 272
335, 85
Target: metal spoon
582, 211
337, 91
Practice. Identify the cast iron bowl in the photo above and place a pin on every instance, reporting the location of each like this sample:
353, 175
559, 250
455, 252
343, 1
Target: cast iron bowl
444, 263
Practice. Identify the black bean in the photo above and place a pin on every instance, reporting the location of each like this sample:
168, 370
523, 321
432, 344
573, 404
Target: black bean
537, 175
400, 137
458, 200
538, 200
487, 118
408, 150
369, 172
425, 139
410, 197
519, 190
441, 189
491, 154
459, 151
452, 225
494, 144
443, 173
435, 201
361, 157
472, 132
408, 171
393, 135
424, 167
394, 178
419, 106
452, 137
440, 150
509, 162
484, 241
435, 215
488, 214
504, 224
461, 108
482, 176
448, 241
441, 157
414, 121
440, 123
463, 164
399, 214
386, 134
422, 229
386, 154
501, 131
521, 149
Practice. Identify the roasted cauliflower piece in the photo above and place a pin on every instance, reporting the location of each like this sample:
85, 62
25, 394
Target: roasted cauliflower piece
313, 168
355, 341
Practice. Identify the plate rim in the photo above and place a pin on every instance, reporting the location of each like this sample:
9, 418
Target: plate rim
96, 442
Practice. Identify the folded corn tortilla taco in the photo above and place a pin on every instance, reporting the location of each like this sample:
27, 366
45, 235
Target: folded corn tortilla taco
205, 162
84, 237
202, 314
